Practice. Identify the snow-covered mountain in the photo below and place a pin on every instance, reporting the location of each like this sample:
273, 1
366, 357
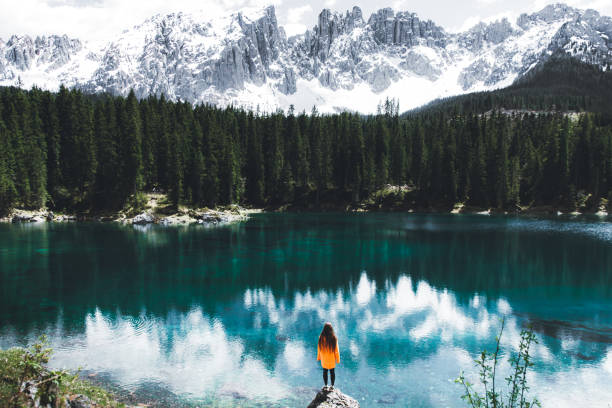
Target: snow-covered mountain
343, 62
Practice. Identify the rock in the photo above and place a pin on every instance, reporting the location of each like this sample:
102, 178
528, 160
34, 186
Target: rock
28, 216
476, 72
80, 401
20, 218
333, 399
144, 218
50, 216
405, 28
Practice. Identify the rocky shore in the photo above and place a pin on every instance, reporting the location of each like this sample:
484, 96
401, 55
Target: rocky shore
155, 209
181, 217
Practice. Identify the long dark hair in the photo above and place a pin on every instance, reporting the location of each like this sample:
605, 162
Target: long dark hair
327, 339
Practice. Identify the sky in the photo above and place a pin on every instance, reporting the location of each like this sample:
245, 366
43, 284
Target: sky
102, 19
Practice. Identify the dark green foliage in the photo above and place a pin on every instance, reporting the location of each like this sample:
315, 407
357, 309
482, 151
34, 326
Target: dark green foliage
131, 145
78, 152
8, 193
255, 173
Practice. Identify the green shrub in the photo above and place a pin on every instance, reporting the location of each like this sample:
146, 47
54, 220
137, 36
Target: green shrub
24, 372
517, 394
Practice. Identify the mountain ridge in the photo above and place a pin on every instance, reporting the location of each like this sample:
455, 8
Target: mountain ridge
343, 63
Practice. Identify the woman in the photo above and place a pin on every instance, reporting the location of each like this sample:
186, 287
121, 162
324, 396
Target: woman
328, 353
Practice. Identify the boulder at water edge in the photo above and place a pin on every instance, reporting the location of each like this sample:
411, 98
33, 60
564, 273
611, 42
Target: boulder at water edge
333, 399
144, 218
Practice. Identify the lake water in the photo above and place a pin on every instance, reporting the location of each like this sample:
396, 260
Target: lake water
229, 316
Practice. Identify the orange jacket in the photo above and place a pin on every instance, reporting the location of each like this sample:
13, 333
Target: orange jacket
328, 359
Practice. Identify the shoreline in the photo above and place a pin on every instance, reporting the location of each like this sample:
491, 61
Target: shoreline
457, 209
236, 213
225, 215
155, 209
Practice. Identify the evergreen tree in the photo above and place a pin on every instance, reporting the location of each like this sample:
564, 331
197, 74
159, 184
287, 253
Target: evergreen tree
79, 152
8, 193
273, 149
131, 146
355, 159
50, 127
107, 194
382, 152
255, 171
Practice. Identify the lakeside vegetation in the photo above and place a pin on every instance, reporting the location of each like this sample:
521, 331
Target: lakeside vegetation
73, 152
489, 394
25, 380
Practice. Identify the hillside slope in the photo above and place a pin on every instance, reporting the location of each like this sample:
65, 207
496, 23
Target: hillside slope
561, 83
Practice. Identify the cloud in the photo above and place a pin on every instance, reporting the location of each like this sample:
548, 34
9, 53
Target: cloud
468, 23
296, 20
399, 5
603, 6
296, 14
473, 20
75, 3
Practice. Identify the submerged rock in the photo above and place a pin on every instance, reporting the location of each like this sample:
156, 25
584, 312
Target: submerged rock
333, 398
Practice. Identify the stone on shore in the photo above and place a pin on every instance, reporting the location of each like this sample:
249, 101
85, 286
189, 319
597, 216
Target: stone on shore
29, 216
144, 218
42, 215
333, 399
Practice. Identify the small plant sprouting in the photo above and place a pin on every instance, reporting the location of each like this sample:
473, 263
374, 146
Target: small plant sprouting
517, 393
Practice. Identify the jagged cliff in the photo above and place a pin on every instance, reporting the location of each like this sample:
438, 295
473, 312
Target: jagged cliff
343, 62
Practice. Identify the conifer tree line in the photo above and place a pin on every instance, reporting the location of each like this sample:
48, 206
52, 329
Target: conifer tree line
70, 151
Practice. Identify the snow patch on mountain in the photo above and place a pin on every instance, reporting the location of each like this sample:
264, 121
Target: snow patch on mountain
344, 63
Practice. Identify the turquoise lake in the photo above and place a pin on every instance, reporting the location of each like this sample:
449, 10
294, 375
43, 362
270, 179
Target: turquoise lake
230, 315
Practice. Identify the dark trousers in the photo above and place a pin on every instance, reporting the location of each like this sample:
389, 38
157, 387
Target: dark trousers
333, 376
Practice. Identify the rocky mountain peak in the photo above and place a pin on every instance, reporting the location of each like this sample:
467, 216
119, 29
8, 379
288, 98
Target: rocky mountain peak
23, 53
331, 25
482, 33
549, 14
405, 28
344, 62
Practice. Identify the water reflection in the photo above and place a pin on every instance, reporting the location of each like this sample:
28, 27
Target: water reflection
400, 344
231, 315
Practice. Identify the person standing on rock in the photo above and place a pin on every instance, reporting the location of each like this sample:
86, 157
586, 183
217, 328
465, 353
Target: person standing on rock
328, 353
